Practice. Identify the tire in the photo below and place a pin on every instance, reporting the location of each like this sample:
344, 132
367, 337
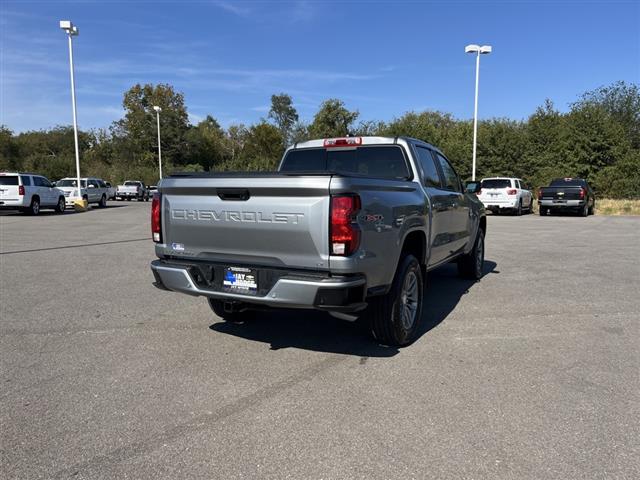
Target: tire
585, 211
217, 306
519, 209
141, 198
470, 265
542, 211
61, 205
103, 202
34, 207
592, 209
395, 318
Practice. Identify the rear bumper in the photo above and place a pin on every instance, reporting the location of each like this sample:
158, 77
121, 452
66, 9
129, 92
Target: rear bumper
291, 289
12, 203
127, 194
496, 205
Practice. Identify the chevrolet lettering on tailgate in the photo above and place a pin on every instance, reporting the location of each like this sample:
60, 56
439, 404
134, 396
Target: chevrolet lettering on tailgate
236, 216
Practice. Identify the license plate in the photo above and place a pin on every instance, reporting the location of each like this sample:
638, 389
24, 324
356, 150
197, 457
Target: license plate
240, 280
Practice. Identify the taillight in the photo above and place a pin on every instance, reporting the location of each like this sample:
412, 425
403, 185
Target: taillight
156, 230
344, 234
512, 191
583, 192
20, 189
342, 142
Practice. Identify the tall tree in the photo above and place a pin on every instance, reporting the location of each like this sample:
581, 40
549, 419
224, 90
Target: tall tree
206, 144
284, 114
332, 120
139, 122
622, 101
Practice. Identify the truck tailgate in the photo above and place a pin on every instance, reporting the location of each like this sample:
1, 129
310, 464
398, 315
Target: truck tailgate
274, 220
561, 193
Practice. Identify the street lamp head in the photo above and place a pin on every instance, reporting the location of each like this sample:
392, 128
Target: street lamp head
157, 108
69, 27
482, 50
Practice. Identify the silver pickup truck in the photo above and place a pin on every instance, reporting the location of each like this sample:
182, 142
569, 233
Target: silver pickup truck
346, 225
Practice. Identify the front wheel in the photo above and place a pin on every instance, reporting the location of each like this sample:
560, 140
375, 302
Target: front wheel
395, 318
542, 211
61, 205
470, 265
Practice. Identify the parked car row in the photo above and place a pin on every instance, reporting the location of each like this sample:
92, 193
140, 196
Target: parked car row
30, 193
513, 195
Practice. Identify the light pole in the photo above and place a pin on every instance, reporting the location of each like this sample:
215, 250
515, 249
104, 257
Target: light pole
158, 110
478, 50
72, 31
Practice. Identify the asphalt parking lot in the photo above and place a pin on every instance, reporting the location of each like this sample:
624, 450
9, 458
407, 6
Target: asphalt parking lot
534, 372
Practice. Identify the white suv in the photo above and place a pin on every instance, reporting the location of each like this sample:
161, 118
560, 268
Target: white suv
94, 190
29, 193
500, 194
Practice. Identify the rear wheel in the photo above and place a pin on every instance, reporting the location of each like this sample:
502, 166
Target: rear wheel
592, 209
471, 264
61, 205
233, 316
103, 202
585, 211
395, 317
542, 211
519, 209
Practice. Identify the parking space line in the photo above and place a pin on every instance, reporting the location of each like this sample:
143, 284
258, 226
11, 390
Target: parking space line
146, 239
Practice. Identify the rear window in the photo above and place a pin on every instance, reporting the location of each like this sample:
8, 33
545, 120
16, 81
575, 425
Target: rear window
567, 182
9, 180
131, 184
371, 161
496, 183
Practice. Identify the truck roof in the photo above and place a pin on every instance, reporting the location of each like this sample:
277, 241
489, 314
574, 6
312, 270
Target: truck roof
371, 140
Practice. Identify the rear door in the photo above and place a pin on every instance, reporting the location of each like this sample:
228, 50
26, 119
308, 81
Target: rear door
276, 220
441, 206
42, 189
9, 187
459, 217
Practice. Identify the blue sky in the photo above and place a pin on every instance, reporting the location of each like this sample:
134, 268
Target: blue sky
382, 58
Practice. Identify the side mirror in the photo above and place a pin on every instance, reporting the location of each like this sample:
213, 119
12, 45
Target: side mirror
473, 187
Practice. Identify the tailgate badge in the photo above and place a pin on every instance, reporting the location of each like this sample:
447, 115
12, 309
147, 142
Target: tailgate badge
178, 247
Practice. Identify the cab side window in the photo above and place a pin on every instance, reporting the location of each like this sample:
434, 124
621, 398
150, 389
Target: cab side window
451, 180
431, 177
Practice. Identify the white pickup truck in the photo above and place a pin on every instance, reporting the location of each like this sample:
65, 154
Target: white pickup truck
132, 189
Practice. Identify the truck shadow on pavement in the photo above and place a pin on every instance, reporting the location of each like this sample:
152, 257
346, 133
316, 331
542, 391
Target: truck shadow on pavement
320, 332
